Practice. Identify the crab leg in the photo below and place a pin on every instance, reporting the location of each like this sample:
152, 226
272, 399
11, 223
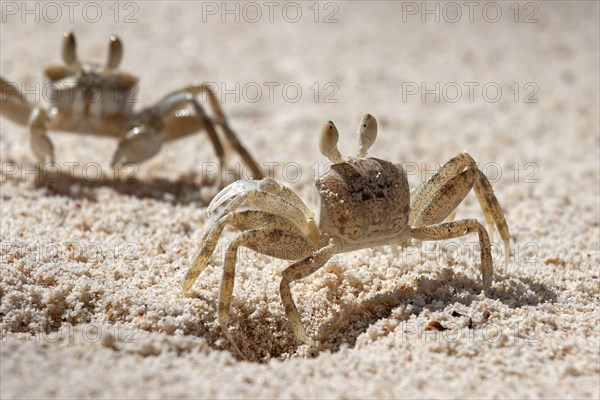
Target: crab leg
14, 104
16, 108
445, 200
436, 199
242, 220
273, 242
449, 230
420, 195
180, 98
196, 89
299, 270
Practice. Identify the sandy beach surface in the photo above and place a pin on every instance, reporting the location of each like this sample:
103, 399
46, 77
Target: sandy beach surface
92, 259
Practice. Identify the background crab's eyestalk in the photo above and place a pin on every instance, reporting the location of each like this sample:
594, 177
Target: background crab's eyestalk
115, 53
69, 51
367, 133
328, 142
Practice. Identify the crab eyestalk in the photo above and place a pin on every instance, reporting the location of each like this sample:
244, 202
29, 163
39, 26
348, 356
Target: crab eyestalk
69, 50
115, 53
328, 142
367, 133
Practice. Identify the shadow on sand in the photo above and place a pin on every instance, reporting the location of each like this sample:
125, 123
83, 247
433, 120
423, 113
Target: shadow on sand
183, 190
344, 329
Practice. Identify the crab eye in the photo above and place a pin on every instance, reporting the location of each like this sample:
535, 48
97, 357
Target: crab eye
328, 142
115, 53
69, 50
367, 134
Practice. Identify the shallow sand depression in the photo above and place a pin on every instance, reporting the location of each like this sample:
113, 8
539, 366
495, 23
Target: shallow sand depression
92, 261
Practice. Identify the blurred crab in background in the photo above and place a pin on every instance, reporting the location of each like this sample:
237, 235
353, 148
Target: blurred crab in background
91, 99
360, 203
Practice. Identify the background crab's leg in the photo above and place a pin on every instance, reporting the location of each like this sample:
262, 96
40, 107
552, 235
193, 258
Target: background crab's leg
14, 105
298, 270
273, 242
449, 230
242, 220
145, 140
221, 121
436, 199
40, 142
170, 106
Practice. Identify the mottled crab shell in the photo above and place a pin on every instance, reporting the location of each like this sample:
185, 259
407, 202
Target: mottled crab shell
362, 200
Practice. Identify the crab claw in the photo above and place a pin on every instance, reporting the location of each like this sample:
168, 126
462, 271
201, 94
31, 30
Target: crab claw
138, 145
231, 191
40, 142
143, 141
42, 148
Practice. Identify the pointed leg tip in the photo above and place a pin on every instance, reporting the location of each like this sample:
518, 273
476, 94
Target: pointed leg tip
236, 349
186, 285
238, 352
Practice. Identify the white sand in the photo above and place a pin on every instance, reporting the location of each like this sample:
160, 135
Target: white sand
91, 268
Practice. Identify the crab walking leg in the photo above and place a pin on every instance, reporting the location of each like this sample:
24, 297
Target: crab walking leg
230, 134
14, 104
445, 200
242, 220
40, 142
221, 121
212, 134
181, 124
248, 160
420, 195
487, 200
298, 270
202, 256
450, 230
444, 180
201, 88
272, 242
171, 104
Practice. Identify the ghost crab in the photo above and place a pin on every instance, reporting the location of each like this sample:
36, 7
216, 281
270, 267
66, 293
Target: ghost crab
92, 99
361, 203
